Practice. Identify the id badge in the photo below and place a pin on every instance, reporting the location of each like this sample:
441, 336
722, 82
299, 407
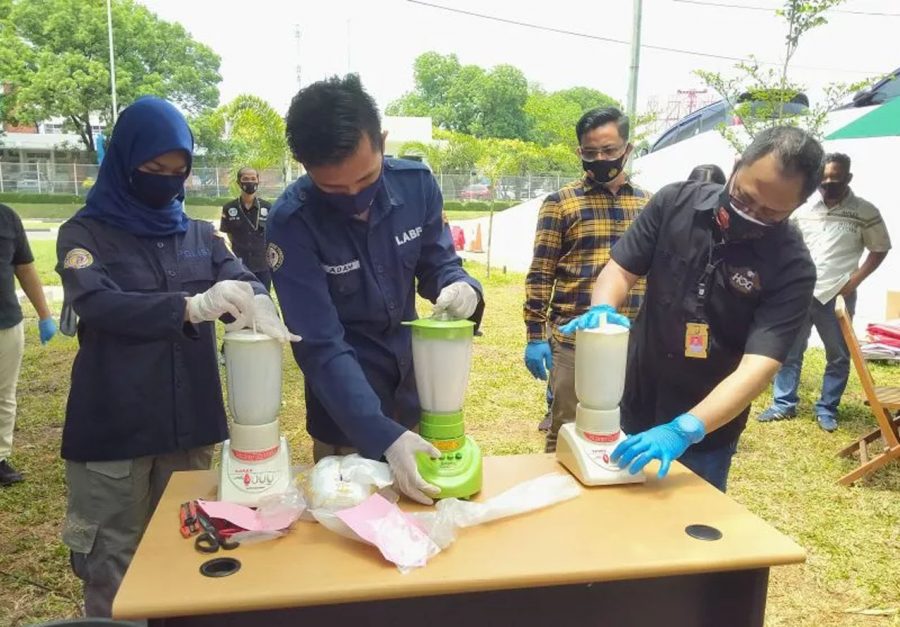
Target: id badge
696, 340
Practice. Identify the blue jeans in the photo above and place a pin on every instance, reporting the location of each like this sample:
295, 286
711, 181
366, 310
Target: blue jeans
837, 356
712, 465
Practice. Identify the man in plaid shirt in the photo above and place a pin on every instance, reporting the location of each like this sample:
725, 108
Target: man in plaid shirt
576, 228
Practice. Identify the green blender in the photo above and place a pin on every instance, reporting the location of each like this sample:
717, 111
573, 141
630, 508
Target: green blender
442, 354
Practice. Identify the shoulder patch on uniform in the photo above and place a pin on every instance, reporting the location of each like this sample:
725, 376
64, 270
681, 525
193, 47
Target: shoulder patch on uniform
232, 211
78, 258
263, 211
274, 256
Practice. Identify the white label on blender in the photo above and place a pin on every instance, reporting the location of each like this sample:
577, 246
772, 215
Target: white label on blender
600, 455
252, 479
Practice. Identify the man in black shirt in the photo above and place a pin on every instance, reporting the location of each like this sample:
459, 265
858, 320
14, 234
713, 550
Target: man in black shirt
728, 283
244, 221
16, 262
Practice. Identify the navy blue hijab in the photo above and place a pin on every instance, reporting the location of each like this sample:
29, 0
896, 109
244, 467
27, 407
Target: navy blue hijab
146, 129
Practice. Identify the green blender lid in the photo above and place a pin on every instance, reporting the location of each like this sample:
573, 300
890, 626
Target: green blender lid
435, 329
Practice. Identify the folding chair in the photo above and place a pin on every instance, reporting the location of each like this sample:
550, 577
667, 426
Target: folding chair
882, 400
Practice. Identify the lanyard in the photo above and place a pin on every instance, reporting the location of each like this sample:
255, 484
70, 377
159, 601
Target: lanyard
244, 213
703, 283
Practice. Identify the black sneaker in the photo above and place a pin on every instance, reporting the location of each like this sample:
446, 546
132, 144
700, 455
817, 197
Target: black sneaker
8, 474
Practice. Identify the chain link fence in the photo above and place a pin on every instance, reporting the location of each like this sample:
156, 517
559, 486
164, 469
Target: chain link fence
77, 178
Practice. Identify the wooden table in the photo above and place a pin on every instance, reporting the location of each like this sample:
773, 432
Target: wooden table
613, 556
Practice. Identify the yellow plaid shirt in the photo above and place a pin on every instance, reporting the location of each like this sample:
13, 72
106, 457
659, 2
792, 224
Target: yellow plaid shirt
576, 228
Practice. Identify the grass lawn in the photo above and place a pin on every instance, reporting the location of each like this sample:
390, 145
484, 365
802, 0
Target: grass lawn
783, 472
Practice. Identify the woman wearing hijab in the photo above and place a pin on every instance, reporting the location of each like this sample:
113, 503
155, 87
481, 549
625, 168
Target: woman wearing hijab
146, 282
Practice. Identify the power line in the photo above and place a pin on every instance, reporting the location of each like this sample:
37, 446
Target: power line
611, 40
724, 5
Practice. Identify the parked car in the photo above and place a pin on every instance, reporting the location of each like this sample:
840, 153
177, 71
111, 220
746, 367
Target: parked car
28, 182
711, 116
882, 91
476, 191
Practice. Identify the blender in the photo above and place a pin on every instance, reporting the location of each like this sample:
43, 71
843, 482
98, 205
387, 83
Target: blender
255, 461
585, 446
442, 354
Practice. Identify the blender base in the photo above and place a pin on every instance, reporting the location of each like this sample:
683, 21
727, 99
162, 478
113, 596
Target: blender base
458, 472
589, 461
246, 481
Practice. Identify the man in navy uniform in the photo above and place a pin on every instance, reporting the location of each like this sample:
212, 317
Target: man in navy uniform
347, 245
244, 222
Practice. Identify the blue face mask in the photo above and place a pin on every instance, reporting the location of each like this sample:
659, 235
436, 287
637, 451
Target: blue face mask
156, 190
350, 205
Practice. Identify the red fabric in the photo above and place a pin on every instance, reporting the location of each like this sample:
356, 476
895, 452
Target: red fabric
882, 333
459, 237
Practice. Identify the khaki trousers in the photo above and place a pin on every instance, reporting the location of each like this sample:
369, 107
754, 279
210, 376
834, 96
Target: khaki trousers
12, 346
562, 384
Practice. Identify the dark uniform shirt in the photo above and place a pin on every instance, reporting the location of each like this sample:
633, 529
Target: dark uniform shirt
246, 229
144, 382
758, 295
345, 286
14, 251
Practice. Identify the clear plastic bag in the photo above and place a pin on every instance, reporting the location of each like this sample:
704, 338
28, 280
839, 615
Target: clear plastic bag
450, 515
339, 482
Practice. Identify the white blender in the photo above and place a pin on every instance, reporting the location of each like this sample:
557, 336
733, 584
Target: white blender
256, 460
585, 446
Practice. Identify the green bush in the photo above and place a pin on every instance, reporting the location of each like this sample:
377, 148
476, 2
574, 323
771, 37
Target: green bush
34, 198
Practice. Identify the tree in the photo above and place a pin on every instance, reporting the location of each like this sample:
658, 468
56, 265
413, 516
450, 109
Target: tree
466, 98
245, 132
256, 131
501, 104
457, 152
761, 97
56, 61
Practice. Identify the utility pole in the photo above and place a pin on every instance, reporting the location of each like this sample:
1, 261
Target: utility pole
112, 63
635, 60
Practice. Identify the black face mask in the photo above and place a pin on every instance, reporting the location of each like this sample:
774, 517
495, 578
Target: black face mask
833, 190
249, 188
604, 171
735, 225
156, 190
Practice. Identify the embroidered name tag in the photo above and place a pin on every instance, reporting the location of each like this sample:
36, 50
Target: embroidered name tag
343, 268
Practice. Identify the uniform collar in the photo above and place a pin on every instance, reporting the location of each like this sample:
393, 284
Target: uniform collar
388, 198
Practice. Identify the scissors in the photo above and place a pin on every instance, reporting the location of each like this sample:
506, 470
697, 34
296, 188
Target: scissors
211, 540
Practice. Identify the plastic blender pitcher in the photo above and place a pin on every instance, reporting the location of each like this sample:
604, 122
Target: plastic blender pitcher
442, 355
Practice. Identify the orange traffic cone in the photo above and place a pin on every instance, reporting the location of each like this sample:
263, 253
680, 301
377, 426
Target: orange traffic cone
476, 242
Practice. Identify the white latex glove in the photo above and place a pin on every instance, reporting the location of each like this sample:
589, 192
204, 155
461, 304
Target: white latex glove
225, 297
401, 457
268, 322
458, 300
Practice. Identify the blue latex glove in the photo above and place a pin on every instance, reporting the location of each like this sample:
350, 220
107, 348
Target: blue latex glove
537, 356
665, 442
591, 319
47, 328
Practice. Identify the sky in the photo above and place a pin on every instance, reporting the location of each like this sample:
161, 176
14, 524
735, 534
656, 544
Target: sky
380, 39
